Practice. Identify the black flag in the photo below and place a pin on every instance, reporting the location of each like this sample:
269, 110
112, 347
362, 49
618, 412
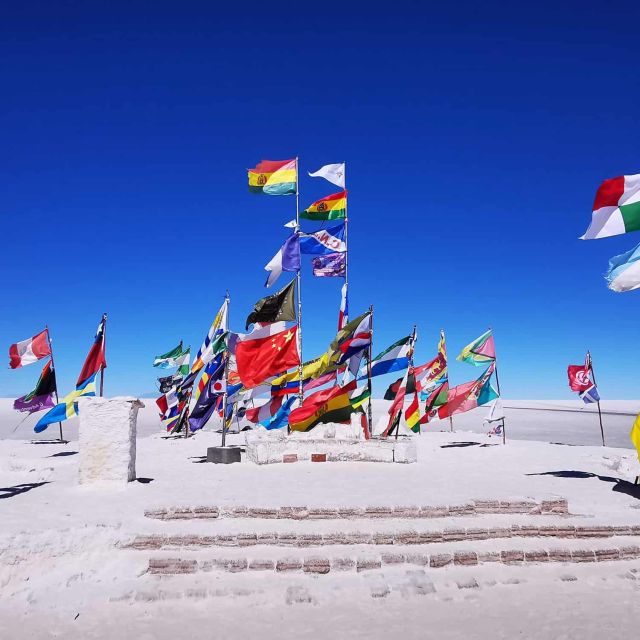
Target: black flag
274, 308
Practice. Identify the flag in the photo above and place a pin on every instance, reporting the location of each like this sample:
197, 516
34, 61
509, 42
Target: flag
635, 435
436, 399
395, 410
393, 358
427, 375
287, 259
579, 375
165, 361
275, 308
357, 341
328, 405
324, 242
333, 265
281, 417
293, 386
169, 382
496, 412
334, 173
360, 396
67, 407
182, 362
167, 401
42, 395
590, 395
96, 359
215, 370
616, 208
343, 315
624, 271
30, 350
206, 403
218, 327
274, 177
412, 414
266, 352
479, 352
331, 207
470, 395
264, 411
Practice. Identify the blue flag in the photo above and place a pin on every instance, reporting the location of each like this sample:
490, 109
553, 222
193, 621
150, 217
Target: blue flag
324, 242
281, 417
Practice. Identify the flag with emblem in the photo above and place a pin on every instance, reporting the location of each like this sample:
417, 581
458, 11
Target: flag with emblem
275, 308
274, 177
328, 405
333, 265
333, 207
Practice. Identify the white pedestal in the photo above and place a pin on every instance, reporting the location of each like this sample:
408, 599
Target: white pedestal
107, 439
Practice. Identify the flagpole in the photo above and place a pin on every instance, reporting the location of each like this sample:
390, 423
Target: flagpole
104, 351
53, 366
226, 379
346, 236
369, 385
593, 374
299, 280
446, 364
504, 430
413, 346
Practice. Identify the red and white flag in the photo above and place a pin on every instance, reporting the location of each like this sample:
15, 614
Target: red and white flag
266, 352
579, 375
264, 411
29, 351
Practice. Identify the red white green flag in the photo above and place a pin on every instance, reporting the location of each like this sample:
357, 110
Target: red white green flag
616, 208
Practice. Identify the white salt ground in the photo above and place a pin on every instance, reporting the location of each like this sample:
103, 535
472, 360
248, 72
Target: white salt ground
64, 573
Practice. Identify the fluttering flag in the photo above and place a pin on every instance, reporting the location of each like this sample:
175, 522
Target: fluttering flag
328, 405
334, 173
42, 395
436, 399
333, 207
323, 242
275, 308
287, 259
395, 410
360, 396
68, 406
616, 208
590, 395
182, 362
333, 265
166, 360
266, 352
580, 375
624, 271
218, 327
428, 375
215, 370
358, 340
96, 360
343, 315
30, 350
274, 177
265, 411
293, 386
470, 395
280, 418
480, 352
207, 400
168, 382
393, 358
496, 412
635, 435
412, 414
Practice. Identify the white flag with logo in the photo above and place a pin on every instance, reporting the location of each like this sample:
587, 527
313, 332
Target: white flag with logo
334, 173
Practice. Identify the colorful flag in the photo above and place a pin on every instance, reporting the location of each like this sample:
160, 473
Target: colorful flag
393, 358
287, 259
470, 395
274, 177
635, 435
215, 370
479, 352
395, 410
264, 411
42, 395
280, 418
358, 340
412, 414
266, 352
616, 208
333, 265
68, 406
96, 359
343, 315
218, 327
324, 242
328, 405
334, 173
427, 375
436, 399
590, 395
624, 271
360, 396
580, 375
333, 207
275, 308
169, 382
166, 360
206, 403
30, 350
290, 387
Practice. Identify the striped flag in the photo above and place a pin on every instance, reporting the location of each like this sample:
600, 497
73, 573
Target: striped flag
393, 358
218, 327
343, 316
30, 350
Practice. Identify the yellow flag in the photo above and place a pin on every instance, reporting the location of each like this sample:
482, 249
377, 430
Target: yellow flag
635, 435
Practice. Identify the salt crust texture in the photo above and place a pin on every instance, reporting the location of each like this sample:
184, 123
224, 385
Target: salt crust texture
107, 439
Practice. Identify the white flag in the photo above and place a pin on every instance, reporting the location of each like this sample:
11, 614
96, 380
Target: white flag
496, 412
334, 173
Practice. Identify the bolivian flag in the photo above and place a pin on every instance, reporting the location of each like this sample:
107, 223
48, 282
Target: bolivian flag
274, 177
329, 405
332, 207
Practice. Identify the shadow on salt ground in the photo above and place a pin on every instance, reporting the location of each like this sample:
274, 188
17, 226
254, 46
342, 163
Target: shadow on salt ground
620, 485
62, 454
467, 444
49, 442
10, 492
144, 480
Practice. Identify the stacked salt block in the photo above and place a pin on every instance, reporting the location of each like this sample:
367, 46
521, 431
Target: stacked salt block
107, 439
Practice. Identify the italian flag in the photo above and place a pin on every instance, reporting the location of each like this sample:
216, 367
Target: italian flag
616, 209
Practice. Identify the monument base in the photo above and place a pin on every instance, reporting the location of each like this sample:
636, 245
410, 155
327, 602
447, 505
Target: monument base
223, 455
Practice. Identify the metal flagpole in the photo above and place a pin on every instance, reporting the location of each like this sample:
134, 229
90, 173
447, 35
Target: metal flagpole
598, 403
346, 237
495, 362
53, 366
299, 281
413, 346
104, 351
369, 385
446, 362
226, 380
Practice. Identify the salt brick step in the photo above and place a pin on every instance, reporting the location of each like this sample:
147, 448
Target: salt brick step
323, 565
476, 507
292, 539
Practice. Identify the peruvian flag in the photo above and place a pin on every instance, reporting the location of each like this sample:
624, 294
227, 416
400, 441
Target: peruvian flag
265, 352
30, 350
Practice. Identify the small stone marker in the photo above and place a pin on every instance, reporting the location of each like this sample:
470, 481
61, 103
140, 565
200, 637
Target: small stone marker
290, 457
318, 457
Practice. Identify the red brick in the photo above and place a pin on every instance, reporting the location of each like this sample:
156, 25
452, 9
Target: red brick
289, 457
440, 560
316, 565
465, 558
318, 457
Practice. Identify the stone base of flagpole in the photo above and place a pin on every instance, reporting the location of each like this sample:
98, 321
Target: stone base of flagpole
223, 455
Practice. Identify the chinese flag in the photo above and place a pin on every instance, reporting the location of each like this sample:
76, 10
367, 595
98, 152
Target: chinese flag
266, 352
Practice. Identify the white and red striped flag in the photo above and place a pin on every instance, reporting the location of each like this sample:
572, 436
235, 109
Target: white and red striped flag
30, 350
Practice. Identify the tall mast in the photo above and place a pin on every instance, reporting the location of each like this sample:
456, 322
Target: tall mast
299, 283
53, 366
226, 381
104, 351
369, 385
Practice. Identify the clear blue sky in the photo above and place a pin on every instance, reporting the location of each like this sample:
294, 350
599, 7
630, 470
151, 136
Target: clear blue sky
475, 136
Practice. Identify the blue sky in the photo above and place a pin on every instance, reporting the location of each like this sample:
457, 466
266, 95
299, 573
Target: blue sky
475, 138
